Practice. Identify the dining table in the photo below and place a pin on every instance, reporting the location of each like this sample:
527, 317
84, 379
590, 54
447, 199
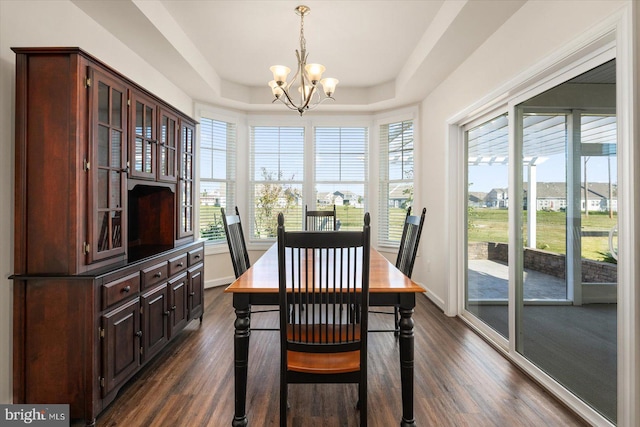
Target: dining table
388, 287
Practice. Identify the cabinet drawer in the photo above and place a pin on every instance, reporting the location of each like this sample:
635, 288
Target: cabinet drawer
196, 256
154, 274
177, 264
119, 290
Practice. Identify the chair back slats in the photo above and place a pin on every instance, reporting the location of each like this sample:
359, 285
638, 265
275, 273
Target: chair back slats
409, 242
324, 287
320, 220
235, 240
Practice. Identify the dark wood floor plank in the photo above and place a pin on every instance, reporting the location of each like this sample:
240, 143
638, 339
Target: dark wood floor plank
460, 380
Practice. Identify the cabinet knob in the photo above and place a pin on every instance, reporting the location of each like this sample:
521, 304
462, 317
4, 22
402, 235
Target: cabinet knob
158, 274
173, 308
139, 333
126, 289
192, 294
166, 313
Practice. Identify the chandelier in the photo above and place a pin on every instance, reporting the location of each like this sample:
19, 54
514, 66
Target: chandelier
305, 79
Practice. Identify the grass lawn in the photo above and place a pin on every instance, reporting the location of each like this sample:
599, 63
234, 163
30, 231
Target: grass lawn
490, 225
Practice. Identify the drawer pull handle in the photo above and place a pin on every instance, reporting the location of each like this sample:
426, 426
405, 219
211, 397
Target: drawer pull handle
173, 308
192, 294
139, 334
166, 313
197, 257
158, 274
126, 289
180, 264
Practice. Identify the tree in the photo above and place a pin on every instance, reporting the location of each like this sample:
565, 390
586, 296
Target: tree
273, 197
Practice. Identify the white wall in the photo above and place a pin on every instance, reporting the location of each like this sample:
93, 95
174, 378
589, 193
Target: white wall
536, 30
50, 23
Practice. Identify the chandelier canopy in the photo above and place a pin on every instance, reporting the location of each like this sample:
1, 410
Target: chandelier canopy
305, 79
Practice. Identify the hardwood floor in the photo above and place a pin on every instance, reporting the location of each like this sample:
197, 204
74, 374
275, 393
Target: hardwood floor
459, 380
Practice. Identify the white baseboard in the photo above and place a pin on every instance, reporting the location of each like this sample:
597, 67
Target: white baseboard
222, 281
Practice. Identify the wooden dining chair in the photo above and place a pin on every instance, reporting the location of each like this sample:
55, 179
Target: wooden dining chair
320, 220
239, 253
409, 242
235, 240
324, 275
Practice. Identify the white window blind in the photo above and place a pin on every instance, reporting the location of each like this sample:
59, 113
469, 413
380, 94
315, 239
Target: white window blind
396, 179
277, 175
217, 176
341, 172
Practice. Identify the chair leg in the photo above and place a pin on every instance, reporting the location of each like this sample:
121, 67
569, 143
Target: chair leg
362, 403
284, 404
396, 316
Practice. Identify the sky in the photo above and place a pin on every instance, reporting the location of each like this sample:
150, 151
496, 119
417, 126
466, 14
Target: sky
484, 178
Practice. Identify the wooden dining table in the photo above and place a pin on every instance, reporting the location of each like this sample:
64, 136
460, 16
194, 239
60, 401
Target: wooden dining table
388, 287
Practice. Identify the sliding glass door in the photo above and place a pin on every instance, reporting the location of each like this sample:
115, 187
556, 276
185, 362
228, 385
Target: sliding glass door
562, 277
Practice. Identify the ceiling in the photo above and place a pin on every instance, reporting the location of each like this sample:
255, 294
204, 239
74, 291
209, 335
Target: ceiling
386, 54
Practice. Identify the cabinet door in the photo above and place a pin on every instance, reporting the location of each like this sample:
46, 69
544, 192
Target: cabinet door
196, 291
178, 298
167, 147
121, 344
185, 180
106, 167
143, 141
155, 312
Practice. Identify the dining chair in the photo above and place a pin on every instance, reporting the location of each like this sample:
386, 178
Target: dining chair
324, 275
238, 252
235, 240
320, 220
409, 242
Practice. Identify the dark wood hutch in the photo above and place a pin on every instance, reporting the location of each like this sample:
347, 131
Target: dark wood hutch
107, 266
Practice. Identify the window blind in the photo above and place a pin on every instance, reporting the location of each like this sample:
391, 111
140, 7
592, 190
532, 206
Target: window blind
396, 179
341, 158
217, 176
277, 175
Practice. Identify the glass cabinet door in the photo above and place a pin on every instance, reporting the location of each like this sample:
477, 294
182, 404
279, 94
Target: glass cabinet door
167, 147
106, 167
185, 181
143, 139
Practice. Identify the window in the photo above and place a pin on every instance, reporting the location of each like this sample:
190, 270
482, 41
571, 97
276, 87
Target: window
341, 173
396, 179
277, 176
217, 176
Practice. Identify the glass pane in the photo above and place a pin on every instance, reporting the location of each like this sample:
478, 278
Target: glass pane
271, 199
147, 157
139, 118
116, 230
103, 237
187, 219
103, 146
137, 161
148, 123
103, 103
349, 201
103, 189
213, 196
116, 148
487, 290
116, 202
116, 109
570, 183
164, 165
187, 192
